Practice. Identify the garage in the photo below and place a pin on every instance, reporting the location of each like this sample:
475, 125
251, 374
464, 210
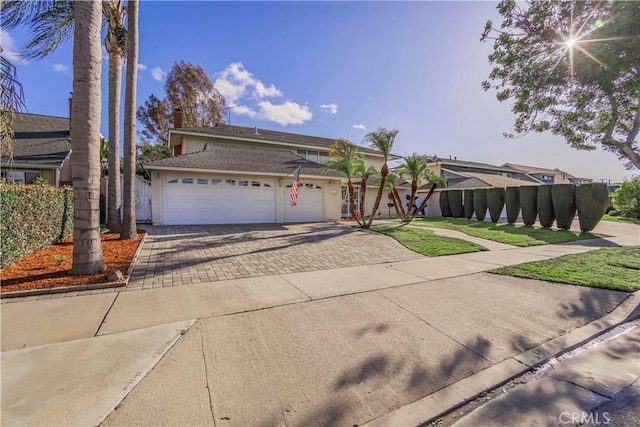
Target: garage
309, 205
202, 199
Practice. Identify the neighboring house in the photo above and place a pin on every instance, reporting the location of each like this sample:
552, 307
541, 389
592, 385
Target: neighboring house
548, 176
41, 147
232, 174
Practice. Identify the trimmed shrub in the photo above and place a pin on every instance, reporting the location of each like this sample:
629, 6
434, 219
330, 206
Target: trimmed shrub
591, 202
512, 200
480, 203
468, 204
455, 203
546, 216
626, 199
444, 203
563, 197
495, 202
33, 217
529, 203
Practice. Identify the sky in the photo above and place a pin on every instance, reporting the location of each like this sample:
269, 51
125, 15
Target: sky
332, 69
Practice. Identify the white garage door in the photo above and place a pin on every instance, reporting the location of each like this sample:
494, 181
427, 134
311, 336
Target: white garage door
217, 200
309, 205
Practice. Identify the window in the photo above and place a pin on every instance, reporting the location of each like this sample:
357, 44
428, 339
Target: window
216, 181
172, 181
264, 184
243, 183
21, 177
231, 182
321, 157
255, 184
203, 181
187, 180
309, 186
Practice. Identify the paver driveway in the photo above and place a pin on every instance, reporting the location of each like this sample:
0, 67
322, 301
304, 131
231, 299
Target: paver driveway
180, 255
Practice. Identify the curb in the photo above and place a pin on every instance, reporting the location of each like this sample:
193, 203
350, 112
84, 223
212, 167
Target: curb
77, 288
452, 397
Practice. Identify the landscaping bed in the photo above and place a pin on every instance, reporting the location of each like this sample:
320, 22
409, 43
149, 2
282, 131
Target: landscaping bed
427, 243
516, 235
49, 267
607, 268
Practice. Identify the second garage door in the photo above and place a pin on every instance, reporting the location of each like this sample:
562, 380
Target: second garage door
309, 205
217, 200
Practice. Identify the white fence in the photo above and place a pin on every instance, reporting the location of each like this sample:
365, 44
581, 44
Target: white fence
143, 198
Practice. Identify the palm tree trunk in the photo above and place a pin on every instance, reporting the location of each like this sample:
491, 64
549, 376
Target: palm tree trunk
383, 177
85, 138
352, 207
363, 195
115, 87
426, 199
129, 231
397, 203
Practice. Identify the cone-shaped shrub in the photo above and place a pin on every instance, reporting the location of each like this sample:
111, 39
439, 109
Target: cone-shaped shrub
455, 203
546, 215
528, 203
563, 197
495, 202
468, 204
444, 204
480, 203
591, 202
512, 200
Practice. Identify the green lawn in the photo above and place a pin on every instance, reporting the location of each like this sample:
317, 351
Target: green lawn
608, 268
517, 235
427, 243
620, 219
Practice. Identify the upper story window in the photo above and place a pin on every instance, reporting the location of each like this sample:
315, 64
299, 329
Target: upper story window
547, 177
314, 155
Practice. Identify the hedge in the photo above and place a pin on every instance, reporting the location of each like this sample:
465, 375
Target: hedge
546, 216
480, 203
512, 200
563, 197
528, 203
591, 202
445, 210
468, 204
626, 199
33, 217
495, 202
455, 203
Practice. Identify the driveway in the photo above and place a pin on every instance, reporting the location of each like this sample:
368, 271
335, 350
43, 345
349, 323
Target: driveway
181, 255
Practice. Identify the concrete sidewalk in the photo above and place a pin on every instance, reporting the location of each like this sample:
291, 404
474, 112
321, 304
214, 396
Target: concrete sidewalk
393, 343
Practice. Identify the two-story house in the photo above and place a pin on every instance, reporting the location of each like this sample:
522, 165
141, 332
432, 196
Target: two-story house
232, 174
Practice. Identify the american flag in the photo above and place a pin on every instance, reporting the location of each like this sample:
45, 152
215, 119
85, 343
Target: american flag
294, 187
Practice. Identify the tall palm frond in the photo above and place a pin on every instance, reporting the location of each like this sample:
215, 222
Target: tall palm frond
382, 140
344, 157
11, 102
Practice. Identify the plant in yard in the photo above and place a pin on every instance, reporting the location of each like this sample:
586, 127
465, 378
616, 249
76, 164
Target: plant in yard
364, 172
60, 259
495, 202
344, 157
626, 199
591, 203
381, 140
39, 180
415, 168
563, 197
512, 200
544, 206
468, 204
455, 203
528, 204
480, 203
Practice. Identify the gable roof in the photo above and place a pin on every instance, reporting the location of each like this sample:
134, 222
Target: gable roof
468, 164
39, 141
498, 181
560, 176
232, 158
232, 133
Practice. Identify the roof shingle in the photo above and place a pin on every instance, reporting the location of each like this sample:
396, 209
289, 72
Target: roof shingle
39, 140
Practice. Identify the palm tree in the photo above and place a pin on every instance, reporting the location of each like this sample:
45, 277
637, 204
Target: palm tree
364, 172
382, 140
51, 24
85, 139
11, 101
128, 230
344, 157
415, 168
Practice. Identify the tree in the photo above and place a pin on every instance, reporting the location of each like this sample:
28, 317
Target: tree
190, 89
129, 230
415, 168
364, 172
147, 152
626, 199
51, 24
571, 68
85, 139
11, 101
382, 140
344, 157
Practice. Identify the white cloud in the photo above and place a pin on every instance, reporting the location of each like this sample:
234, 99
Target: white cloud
235, 81
60, 68
142, 66
361, 127
287, 113
330, 108
9, 50
158, 74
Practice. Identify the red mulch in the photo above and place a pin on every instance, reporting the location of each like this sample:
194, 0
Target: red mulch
40, 270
